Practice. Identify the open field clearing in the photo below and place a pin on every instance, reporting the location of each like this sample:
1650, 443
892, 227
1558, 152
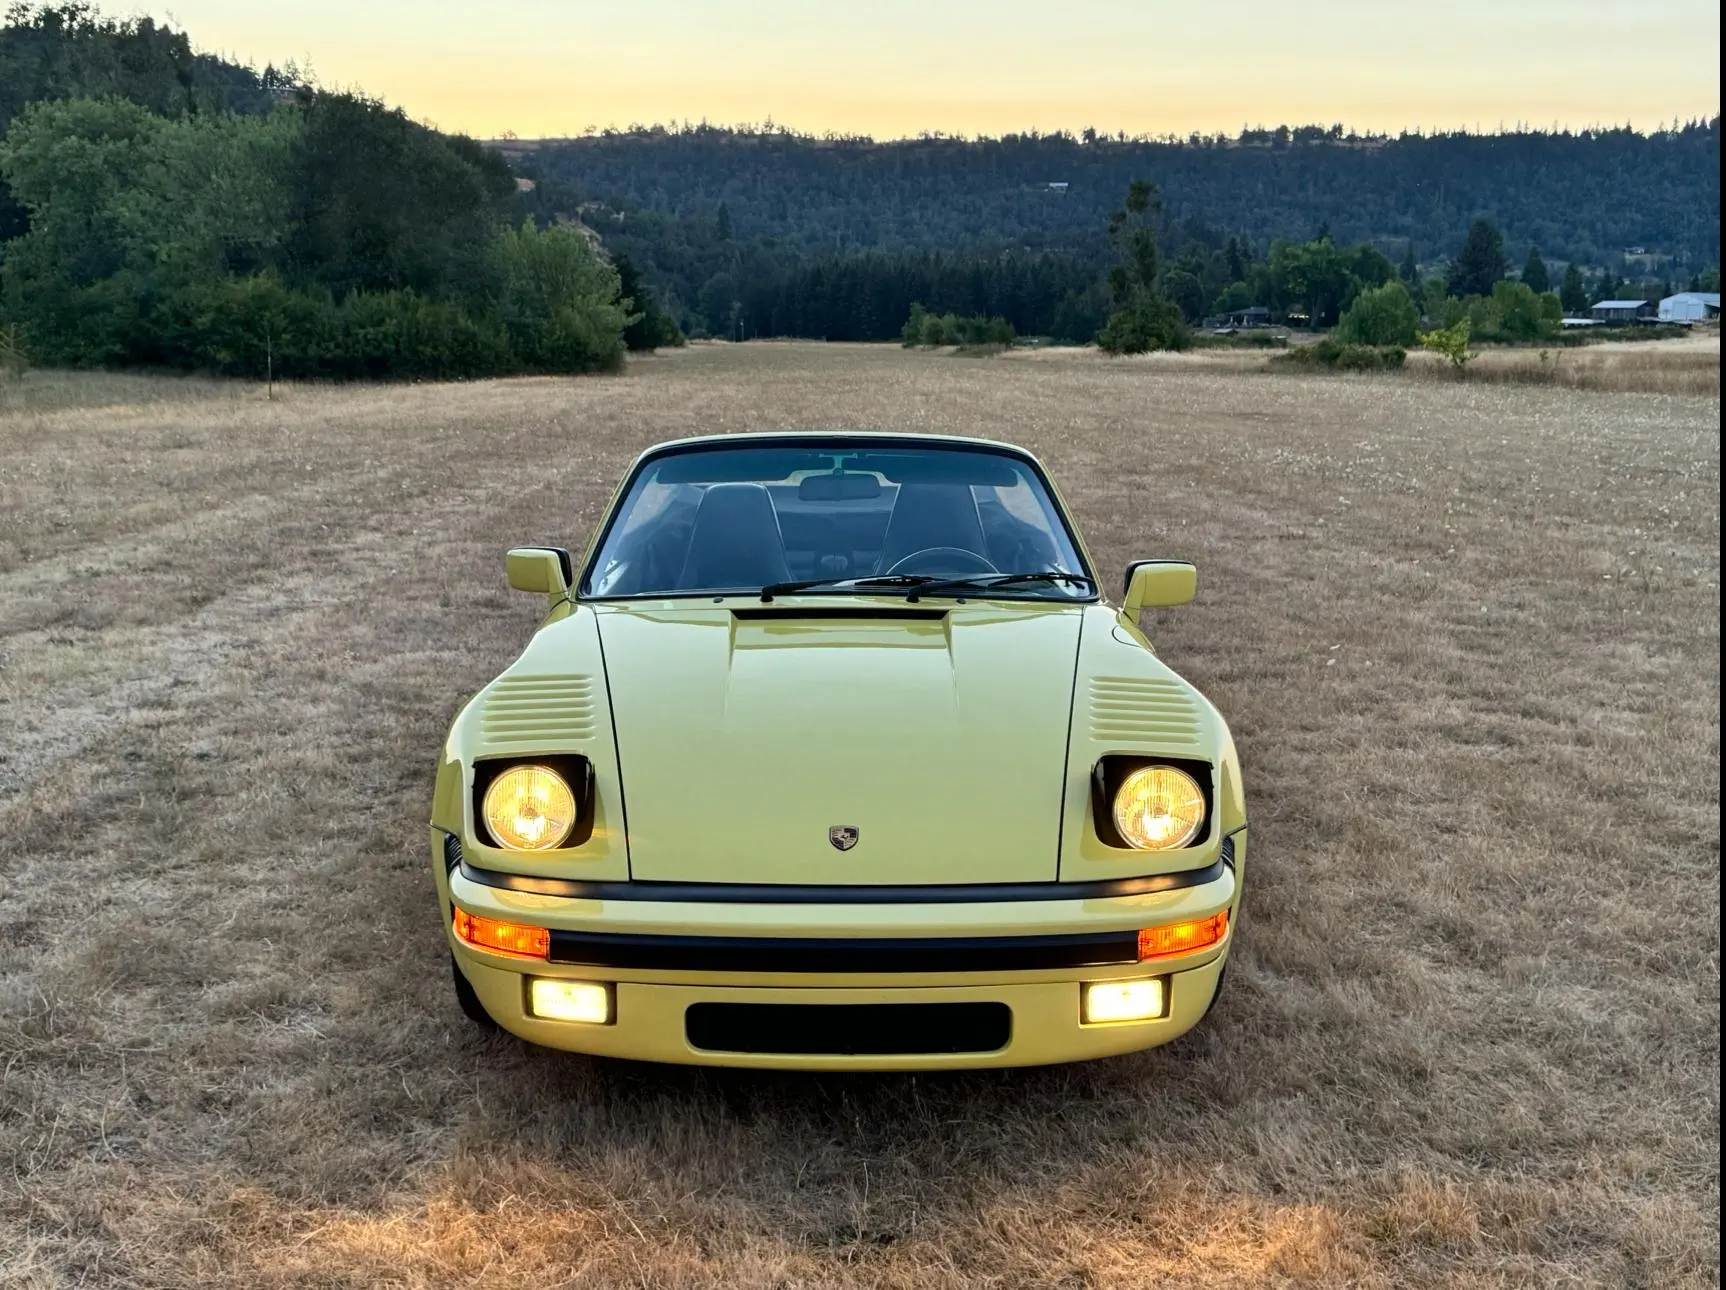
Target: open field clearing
1468, 639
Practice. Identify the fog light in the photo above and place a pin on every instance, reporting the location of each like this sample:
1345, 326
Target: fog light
569, 1001
1122, 1001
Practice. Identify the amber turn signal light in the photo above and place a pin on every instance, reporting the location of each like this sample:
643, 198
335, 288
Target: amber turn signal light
499, 937
1183, 938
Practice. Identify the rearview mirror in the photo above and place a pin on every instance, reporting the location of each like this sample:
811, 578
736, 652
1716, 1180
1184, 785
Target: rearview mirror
1157, 584
544, 569
854, 486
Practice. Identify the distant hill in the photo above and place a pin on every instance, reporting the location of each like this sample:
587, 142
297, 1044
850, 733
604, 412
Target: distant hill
1584, 197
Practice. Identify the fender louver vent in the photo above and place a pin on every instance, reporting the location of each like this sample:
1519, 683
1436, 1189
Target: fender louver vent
533, 709
1143, 711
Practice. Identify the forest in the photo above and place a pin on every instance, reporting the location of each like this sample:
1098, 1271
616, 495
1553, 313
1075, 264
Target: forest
160, 206
163, 208
702, 208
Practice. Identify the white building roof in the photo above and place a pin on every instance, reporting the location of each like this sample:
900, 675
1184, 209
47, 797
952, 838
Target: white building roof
1706, 297
1619, 304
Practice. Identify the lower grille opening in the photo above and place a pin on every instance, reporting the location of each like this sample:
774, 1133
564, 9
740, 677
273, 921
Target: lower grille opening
849, 1029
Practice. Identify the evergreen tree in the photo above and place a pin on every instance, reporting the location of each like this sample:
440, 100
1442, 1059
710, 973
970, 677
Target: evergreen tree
1142, 318
1410, 269
1534, 273
650, 326
1480, 263
1607, 288
724, 221
1571, 293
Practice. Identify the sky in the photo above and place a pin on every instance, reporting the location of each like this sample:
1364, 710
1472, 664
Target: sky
893, 68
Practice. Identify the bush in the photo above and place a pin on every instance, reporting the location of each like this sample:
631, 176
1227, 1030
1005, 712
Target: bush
926, 330
1515, 313
1148, 322
1381, 316
1450, 341
1341, 356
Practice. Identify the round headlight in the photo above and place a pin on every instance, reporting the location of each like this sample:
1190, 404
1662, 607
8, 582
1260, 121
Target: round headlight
530, 808
1158, 808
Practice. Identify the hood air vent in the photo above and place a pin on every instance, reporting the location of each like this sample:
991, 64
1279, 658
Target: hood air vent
533, 709
1139, 710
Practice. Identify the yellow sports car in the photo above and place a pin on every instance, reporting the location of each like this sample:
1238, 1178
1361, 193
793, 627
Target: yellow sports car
831, 755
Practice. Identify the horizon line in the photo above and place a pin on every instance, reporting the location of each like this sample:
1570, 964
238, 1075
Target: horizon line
769, 127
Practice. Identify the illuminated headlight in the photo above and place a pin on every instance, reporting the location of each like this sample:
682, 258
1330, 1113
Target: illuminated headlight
1159, 808
530, 808
569, 1001
1104, 1001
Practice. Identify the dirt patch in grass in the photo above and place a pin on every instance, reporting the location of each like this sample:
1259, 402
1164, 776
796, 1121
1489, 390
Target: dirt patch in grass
1467, 635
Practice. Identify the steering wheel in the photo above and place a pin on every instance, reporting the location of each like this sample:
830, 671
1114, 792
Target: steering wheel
944, 559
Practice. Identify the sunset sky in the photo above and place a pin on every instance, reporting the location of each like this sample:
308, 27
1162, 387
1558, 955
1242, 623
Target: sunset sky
898, 67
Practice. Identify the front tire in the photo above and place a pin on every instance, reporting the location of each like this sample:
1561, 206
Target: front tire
471, 1007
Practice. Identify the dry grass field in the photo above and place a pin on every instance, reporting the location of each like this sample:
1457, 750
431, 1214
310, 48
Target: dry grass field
1468, 638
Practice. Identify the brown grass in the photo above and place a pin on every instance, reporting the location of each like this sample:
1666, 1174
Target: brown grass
1689, 366
1468, 638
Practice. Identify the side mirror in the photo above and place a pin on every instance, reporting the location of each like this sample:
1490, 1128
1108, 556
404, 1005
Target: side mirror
544, 569
1157, 584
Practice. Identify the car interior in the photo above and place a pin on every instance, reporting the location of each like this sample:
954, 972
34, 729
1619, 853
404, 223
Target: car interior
726, 533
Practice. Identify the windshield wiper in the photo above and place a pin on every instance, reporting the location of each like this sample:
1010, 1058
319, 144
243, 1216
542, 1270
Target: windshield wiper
891, 580
990, 581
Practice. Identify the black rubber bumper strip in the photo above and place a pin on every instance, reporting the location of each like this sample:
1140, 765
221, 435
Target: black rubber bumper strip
760, 893
843, 954
751, 893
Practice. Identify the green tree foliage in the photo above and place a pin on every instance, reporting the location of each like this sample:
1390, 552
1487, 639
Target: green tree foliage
1384, 315
225, 242
1480, 263
1572, 295
1513, 312
926, 330
68, 50
1578, 196
1452, 342
1410, 270
650, 327
559, 301
1344, 356
1534, 273
1141, 317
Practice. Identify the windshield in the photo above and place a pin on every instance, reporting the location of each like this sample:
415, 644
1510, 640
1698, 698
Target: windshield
724, 520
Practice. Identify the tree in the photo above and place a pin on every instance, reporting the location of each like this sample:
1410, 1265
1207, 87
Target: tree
1534, 273
650, 327
1480, 263
1607, 288
1410, 270
1142, 318
559, 301
1571, 293
723, 220
1450, 341
1381, 316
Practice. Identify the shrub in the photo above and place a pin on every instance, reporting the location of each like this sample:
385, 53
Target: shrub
1381, 316
1451, 341
927, 330
1342, 356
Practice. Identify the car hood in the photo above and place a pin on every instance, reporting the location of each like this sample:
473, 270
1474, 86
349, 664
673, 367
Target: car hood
746, 740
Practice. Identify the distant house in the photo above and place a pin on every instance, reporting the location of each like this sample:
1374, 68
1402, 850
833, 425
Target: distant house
1690, 306
1058, 186
1622, 311
1252, 316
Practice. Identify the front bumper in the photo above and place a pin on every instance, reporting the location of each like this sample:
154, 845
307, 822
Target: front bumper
651, 1003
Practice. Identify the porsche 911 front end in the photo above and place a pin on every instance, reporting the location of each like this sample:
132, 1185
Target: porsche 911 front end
834, 757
